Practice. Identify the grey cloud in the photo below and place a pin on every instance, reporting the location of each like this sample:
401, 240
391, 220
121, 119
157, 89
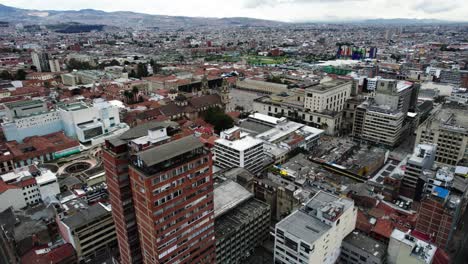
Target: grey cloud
259, 3
434, 6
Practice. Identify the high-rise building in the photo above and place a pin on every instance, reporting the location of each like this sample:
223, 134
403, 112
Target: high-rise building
313, 234
89, 229
235, 149
381, 119
439, 214
116, 156
447, 127
422, 159
241, 222
54, 65
172, 187
41, 61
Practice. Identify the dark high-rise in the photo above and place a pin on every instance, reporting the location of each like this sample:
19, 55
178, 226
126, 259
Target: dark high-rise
161, 191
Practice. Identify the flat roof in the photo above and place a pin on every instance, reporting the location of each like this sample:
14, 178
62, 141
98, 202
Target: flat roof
86, 215
265, 118
366, 243
73, 106
142, 130
228, 195
328, 86
303, 226
169, 150
240, 144
23, 103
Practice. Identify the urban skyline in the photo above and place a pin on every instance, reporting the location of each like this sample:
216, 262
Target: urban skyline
278, 10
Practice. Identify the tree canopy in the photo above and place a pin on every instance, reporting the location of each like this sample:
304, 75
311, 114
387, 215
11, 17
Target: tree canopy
216, 117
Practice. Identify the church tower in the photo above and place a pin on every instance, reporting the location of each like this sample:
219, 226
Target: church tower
224, 93
205, 88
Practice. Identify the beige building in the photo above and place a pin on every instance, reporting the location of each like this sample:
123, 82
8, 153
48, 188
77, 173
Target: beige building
378, 125
90, 230
404, 248
381, 119
261, 86
291, 105
447, 127
313, 234
330, 95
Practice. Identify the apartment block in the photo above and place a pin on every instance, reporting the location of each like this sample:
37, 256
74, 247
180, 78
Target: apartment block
90, 229
420, 162
314, 233
446, 127
116, 155
439, 214
405, 248
241, 222
238, 149
172, 187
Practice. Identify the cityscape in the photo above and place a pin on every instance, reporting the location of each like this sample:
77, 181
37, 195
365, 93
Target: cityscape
249, 132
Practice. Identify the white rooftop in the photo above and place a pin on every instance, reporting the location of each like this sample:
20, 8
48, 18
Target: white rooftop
266, 118
240, 144
421, 249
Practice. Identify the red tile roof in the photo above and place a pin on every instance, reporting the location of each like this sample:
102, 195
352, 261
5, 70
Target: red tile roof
383, 227
5, 187
54, 256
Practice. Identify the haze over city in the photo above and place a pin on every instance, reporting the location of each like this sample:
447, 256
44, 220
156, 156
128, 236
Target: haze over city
282, 10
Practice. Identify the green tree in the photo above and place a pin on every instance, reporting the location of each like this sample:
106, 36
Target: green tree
114, 62
74, 64
135, 94
132, 74
128, 96
20, 75
5, 75
216, 117
142, 70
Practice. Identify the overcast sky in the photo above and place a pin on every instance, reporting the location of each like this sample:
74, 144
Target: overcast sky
283, 10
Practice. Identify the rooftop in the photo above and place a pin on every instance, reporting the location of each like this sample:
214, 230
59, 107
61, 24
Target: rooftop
312, 220
73, 106
169, 150
328, 86
366, 244
420, 249
228, 195
23, 103
240, 144
86, 215
237, 217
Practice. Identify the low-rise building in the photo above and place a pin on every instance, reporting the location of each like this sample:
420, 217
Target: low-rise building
89, 229
358, 248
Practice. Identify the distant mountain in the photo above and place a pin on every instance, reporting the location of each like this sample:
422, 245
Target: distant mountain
123, 19
398, 21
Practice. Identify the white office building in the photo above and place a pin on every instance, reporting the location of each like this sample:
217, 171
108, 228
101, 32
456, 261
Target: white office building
91, 123
238, 149
314, 233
